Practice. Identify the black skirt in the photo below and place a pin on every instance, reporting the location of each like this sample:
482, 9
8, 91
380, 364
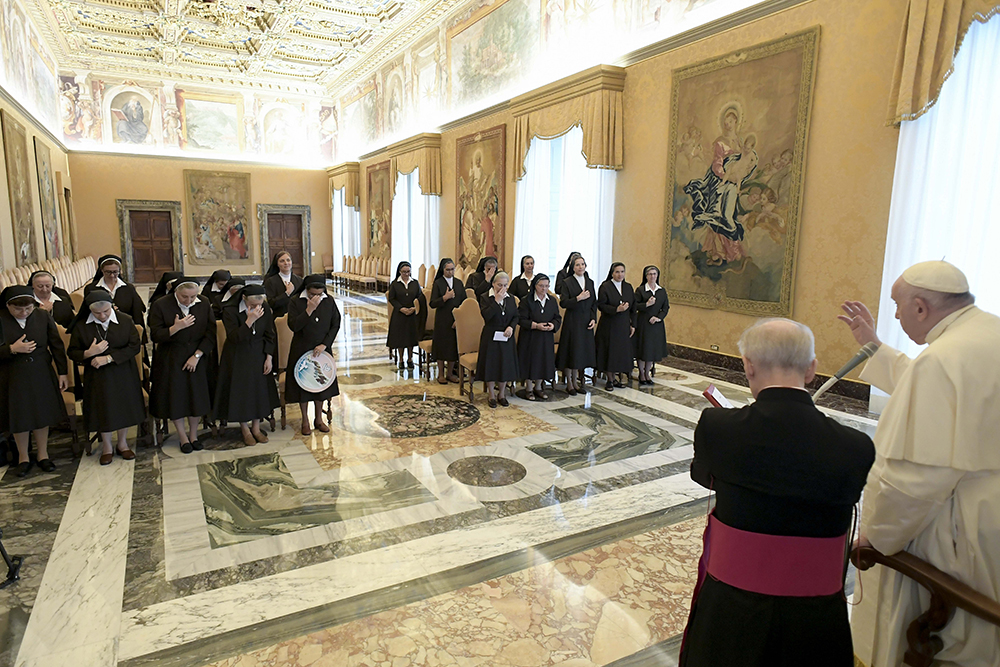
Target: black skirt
444, 345
29, 386
577, 347
174, 392
497, 359
651, 339
404, 330
613, 338
243, 392
308, 331
112, 394
536, 355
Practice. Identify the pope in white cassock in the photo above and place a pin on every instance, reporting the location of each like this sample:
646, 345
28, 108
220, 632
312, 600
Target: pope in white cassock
934, 490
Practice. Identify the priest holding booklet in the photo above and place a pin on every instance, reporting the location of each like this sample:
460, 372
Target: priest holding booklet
935, 488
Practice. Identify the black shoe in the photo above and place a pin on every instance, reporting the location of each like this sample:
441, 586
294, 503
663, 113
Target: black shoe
619, 385
197, 446
187, 448
503, 401
609, 386
46, 465
571, 392
23, 468
493, 404
409, 364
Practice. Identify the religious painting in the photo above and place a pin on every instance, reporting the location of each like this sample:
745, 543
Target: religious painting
490, 48
48, 199
283, 131
211, 122
394, 102
218, 205
131, 114
328, 132
44, 86
481, 167
360, 124
15, 149
13, 34
380, 210
738, 132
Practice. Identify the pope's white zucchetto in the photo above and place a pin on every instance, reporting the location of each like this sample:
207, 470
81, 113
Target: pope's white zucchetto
936, 276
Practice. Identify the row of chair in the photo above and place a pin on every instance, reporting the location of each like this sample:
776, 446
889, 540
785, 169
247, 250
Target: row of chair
364, 272
70, 275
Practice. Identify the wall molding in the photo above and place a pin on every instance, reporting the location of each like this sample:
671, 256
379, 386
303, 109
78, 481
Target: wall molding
29, 119
597, 78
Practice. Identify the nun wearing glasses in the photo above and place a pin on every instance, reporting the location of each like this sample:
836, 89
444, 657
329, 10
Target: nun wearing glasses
105, 342
109, 278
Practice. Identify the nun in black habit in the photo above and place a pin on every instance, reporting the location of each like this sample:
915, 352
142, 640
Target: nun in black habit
182, 326
167, 280
105, 342
30, 389
108, 278
51, 297
314, 318
565, 272
482, 279
536, 348
614, 331
229, 291
447, 294
651, 307
245, 390
280, 282
577, 349
497, 354
521, 286
215, 285
404, 325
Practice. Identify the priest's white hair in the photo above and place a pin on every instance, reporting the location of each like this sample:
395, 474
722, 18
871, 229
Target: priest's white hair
778, 343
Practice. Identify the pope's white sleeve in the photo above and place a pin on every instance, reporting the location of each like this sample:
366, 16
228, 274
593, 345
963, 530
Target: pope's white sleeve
885, 368
902, 499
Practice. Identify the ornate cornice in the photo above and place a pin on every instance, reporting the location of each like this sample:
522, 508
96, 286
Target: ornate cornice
599, 77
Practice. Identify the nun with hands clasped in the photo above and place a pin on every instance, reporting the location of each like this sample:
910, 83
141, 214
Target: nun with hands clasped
51, 297
105, 342
497, 362
404, 326
447, 294
246, 391
540, 320
182, 326
30, 388
314, 318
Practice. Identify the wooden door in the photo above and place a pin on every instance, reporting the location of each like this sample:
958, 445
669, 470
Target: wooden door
152, 244
284, 232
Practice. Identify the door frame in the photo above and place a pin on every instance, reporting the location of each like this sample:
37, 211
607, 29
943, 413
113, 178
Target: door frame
125, 207
264, 210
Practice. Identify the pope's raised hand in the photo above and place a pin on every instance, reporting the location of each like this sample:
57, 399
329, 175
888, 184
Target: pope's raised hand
860, 320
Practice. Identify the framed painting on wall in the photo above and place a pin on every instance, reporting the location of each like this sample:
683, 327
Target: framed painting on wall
218, 222
15, 148
739, 125
211, 122
380, 210
481, 168
48, 200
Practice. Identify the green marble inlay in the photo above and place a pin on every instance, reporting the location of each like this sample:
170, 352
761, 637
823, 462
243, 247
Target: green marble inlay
616, 437
256, 497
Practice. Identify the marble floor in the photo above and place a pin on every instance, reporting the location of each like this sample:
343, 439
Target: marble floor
422, 530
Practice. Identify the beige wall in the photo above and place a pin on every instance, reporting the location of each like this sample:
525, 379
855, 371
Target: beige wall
106, 178
59, 165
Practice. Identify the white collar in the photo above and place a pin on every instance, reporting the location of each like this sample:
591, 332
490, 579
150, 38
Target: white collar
184, 309
656, 288
106, 323
542, 300
450, 281
23, 322
216, 288
617, 285
580, 279
112, 288
228, 296
940, 327
406, 283
287, 277
527, 279
52, 297
243, 306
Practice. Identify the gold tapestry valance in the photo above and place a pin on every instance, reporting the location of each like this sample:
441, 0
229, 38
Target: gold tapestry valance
591, 99
421, 152
346, 175
932, 34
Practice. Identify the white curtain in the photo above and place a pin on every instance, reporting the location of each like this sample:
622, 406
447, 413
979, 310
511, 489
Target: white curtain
946, 188
563, 206
346, 230
416, 224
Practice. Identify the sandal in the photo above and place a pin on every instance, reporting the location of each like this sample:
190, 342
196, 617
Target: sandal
541, 394
529, 396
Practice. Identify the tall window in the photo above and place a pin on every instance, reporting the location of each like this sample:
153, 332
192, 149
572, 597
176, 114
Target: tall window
416, 221
346, 230
562, 206
946, 188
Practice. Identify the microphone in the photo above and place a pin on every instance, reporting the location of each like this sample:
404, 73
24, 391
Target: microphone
863, 354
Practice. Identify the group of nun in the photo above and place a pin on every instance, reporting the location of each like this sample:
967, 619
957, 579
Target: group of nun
630, 327
188, 381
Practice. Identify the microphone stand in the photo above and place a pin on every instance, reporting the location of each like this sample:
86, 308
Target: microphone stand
13, 566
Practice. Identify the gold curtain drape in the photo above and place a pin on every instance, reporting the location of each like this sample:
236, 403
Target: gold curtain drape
421, 152
346, 175
932, 34
591, 99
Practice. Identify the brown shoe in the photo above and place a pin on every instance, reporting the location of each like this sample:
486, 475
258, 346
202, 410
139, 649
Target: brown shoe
106, 459
320, 426
260, 436
249, 440
126, 454
306, 429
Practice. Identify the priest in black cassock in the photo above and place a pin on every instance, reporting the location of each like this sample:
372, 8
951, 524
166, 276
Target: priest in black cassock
614, 331
577, 349
786, 477
280, 282
182, 326
314, 318
447, 294
30, 389
651, 307
105, 342
539, 318
108, 278
521, 286
497, 363
51, 297
245, 390
404, 326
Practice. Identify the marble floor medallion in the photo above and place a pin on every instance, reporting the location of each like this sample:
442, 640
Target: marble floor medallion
487, 471
407, 416
358, 378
